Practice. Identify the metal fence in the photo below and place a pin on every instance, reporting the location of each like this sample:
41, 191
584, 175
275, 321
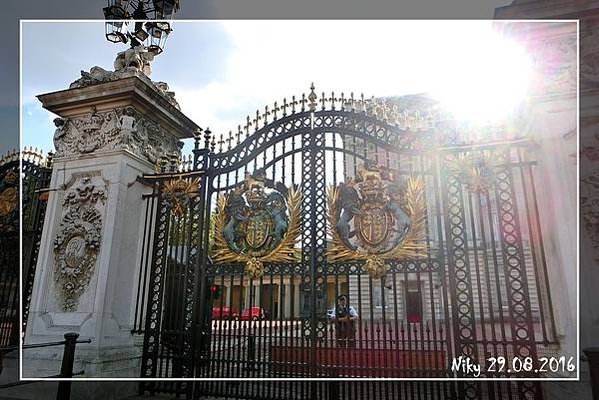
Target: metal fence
27, 171
476, 285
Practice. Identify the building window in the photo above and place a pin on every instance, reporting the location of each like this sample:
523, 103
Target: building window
413, 302
380, 297
377, 295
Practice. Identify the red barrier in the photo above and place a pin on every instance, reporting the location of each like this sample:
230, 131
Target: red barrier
355, 362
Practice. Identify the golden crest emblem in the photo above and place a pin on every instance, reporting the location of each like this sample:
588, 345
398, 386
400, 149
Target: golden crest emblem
255, 226
474, 169
384, 214
8, 201
258, 228
179, 193
374, 224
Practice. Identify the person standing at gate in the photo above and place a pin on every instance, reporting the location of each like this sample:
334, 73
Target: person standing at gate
344, 316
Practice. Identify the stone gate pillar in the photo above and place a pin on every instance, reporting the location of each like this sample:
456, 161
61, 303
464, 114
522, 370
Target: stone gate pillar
113, 127
550, 119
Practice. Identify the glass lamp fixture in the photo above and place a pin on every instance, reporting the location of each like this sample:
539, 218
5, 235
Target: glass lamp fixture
165, 9
120, 14
114, 34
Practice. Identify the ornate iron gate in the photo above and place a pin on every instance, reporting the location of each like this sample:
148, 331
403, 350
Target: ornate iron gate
9, 221
334, 237
35, 176
36, 173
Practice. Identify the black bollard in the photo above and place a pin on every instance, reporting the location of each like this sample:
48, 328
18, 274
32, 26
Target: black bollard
66, 369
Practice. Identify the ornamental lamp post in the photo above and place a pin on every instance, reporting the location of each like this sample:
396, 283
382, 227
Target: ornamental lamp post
151, 22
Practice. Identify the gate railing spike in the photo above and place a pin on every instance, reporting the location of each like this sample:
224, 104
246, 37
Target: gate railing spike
239, 133
207, 138
30, 154
265, 116
220, 142
229, 139
257, 120
174, 162
197, 137
312, 97
371, 107
182, 167
212, 140
248, 123
163, 163
380, 108
394, 116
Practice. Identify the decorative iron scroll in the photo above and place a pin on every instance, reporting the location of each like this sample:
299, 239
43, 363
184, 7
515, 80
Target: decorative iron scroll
386, 223
473, 170
255, 227
179, 193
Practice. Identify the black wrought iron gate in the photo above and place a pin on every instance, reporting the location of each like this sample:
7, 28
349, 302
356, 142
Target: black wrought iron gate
22, 174
332, 284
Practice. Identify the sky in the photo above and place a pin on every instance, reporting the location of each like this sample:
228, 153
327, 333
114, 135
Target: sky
15, 10
222, 71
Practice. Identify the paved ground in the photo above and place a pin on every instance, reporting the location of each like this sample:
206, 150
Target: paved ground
44, 390
33, 391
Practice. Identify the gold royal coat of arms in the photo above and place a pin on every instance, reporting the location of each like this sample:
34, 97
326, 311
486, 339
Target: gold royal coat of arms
375, 217
254, 226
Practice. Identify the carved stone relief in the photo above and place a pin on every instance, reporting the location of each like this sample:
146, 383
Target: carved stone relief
138, 58
589, 183
589, 58
589, 208
589, 139
556, 62
118, 129
77, 243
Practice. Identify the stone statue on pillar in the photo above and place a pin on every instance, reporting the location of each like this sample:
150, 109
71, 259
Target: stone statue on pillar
131, 62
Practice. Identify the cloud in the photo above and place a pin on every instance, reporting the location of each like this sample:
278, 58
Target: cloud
270, 60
